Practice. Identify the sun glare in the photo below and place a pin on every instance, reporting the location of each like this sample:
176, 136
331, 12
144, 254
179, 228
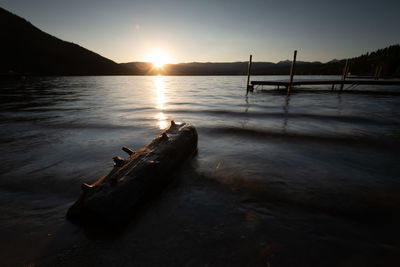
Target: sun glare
158, 59
160, 100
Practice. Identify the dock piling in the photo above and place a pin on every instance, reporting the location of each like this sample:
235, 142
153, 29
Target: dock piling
249, 86
344, 74
347, 71
379, 72
376, 72
292, 70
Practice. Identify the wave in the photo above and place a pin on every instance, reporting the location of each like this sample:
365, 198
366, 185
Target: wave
94, 126
344, 139
282, 115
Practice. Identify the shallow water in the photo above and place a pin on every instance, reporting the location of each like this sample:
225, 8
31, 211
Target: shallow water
310, 179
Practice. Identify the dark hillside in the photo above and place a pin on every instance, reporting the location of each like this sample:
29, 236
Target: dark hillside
27, 50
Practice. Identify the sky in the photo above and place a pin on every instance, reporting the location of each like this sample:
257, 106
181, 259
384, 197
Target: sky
217, 31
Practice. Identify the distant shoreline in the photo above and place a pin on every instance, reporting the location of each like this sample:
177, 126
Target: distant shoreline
2, 76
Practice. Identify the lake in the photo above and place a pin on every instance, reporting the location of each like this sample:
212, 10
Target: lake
309, 179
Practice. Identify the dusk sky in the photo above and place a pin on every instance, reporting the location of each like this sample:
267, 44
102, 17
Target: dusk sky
217, 31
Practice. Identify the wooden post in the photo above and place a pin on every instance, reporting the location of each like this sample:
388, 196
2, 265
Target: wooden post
379, 72
347, 71
248, 75
376, 72
344, 74
292, 70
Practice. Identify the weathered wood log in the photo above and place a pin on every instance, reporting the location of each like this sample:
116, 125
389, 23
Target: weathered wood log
128, 150
114, 197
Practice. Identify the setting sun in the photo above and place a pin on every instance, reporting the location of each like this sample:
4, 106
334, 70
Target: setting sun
158, 59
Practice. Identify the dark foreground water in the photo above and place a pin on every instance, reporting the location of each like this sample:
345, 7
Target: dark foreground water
312, 179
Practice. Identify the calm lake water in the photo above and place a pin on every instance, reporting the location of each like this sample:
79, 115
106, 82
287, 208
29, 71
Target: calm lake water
310, 179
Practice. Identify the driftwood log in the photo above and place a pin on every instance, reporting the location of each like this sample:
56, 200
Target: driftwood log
113, 198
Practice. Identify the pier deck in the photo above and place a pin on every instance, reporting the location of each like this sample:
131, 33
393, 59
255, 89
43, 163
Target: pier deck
325, 82
345, 79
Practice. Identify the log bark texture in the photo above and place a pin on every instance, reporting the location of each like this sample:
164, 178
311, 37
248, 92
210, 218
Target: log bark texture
113, 198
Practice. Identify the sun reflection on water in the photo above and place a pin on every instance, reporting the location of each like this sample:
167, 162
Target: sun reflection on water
160, 100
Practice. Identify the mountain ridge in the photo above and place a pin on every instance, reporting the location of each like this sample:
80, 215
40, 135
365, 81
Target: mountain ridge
27, 50
387, 59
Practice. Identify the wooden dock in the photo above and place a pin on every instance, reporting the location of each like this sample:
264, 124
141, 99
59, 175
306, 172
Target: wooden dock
326, 82
345, 79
